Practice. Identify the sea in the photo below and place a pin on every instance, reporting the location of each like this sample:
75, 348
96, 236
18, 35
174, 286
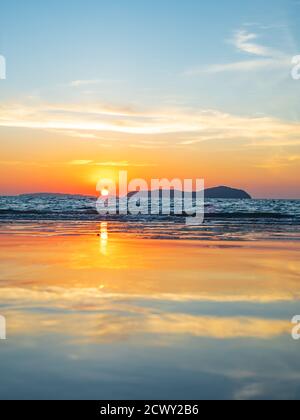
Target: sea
147, 307
225, 219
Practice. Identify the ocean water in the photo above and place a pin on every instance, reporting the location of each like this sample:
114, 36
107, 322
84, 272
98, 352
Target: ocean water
224, 219
147, 307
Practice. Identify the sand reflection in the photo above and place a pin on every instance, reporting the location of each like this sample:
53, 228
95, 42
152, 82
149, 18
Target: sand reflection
195, 314
163, 327
142, 287
103, 238
149, 269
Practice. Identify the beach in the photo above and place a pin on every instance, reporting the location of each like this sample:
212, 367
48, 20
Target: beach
96, 313
149, 203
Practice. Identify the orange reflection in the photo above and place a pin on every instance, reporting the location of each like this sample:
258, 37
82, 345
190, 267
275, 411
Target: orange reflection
103, 238
166, 327
177, 269
67, 272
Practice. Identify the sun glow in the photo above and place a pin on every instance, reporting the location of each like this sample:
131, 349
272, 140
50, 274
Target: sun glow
105, 192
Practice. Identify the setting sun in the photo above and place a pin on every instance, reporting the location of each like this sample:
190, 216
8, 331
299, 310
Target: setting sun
105, 192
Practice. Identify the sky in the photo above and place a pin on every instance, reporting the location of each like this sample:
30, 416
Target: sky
161, 88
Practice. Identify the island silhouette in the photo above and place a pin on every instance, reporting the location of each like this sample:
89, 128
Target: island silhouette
221, 192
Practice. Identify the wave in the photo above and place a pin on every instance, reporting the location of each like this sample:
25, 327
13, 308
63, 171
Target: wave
84, 208
93, 215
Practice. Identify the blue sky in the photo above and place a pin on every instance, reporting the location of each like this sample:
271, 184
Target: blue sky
144, 52
141, 82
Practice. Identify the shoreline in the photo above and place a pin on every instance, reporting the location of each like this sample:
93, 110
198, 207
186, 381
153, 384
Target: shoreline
213, 232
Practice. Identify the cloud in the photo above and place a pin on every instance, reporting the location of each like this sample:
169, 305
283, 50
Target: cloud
77, 134
279, 161
249, 392
119, 164
243, 41
202, 125
115, 325
243, 66
90, 82
90, 118
126, 164
79, 83
80, 162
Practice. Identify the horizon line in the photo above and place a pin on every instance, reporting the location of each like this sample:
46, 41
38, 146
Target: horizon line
96, 195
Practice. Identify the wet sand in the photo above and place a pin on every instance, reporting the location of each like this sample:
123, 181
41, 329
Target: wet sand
119, 317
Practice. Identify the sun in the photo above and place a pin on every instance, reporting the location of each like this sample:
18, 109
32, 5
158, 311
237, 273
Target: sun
105, 192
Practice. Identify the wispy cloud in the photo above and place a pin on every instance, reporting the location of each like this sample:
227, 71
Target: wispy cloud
79, 83
80, 162
76, 134
90, 82
201, 125
93, 118
245, 66
245, 42
117, 164
278, 161
125, 164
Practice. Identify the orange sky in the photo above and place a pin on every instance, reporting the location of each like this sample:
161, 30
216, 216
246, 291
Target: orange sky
112, 89
35, 160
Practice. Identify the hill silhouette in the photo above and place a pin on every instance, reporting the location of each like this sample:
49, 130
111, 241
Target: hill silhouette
222, 192
226, 192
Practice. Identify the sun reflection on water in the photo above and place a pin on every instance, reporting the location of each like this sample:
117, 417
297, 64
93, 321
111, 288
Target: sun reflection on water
103, 238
